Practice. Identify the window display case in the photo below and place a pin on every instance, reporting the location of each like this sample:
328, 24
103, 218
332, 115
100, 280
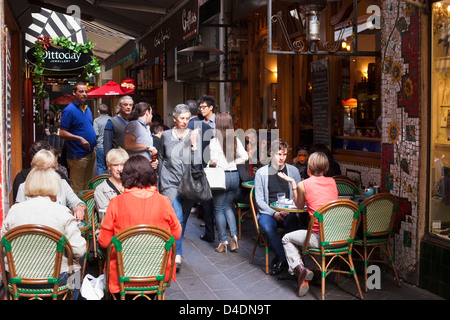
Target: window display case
439, 223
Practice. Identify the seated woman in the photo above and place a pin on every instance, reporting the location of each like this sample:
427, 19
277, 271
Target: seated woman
315, 191
46, 159
42, 187
108, 189
139, 203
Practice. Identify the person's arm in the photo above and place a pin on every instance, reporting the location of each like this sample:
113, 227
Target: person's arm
130, 144
261, 202
69, 136
242, 155
73, 202
298, 190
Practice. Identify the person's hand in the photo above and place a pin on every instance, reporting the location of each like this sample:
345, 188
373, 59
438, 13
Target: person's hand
285, 177
79, 211
212, 164
279, 216
194, 137
85, 143
154, 163
153, 150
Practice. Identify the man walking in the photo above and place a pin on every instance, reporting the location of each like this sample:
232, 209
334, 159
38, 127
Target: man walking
99, 127
77, 128
115, 127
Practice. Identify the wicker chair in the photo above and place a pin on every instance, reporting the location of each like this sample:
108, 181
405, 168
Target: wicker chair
91, 234
378, 214
143, 253
34, 254
260, 237
95, 181
345, 186
338, 222
242, 209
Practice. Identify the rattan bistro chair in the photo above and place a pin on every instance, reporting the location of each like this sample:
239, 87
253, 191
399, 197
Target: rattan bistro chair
242, 209
95, 181
378, 214
143, 253
338, 222
34, 254
260, 237
91, 217
345, 186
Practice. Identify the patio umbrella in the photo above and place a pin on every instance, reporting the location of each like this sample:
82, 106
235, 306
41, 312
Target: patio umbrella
63, 100
110, 90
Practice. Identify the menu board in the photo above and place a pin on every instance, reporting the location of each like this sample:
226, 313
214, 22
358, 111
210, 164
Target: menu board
321, 119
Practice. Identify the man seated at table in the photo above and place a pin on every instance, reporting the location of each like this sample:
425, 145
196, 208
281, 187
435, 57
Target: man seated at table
267, 185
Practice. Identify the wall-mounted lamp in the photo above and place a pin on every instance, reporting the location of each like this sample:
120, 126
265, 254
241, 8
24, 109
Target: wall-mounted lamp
312, 10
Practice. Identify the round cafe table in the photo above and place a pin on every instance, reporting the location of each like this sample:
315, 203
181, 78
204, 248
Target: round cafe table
83, 226
248, 184
287, 207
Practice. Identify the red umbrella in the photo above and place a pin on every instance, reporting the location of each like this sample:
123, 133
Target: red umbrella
63, 100
110, 90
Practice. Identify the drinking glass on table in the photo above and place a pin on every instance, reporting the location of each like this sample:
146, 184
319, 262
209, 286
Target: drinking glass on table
281, 198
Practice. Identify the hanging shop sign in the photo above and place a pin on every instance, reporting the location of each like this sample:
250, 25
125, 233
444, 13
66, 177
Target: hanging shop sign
61, 59
128, 85
181, 27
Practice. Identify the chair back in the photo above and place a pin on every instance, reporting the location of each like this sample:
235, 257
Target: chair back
143, 253
92, 217
253, 206
34, 254
378, 214
345, 186
338, 222
95, 181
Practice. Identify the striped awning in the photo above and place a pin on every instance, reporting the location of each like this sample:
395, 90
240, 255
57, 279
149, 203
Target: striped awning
54, 24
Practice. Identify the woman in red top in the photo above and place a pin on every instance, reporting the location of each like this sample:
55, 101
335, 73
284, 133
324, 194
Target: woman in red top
313, 192
140, 203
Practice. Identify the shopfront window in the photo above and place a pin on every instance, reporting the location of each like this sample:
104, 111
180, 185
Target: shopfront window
439, 223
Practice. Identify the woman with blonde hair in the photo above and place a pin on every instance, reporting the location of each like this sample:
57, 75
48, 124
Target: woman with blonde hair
313, 192
46, 159
42, 187
111, 187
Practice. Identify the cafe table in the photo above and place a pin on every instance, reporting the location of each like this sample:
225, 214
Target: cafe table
287, 207
248, 184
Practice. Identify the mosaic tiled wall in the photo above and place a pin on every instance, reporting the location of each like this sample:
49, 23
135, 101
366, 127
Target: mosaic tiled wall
401, 124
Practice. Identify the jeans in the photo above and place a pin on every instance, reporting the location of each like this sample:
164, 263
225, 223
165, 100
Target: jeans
101, 165
270, 226
182, 208
223, 206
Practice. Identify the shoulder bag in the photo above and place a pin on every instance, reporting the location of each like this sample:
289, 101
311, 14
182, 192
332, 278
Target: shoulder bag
194, 185
216, 178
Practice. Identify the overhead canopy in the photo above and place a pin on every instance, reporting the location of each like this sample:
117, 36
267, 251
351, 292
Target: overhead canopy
63, 100
110, 90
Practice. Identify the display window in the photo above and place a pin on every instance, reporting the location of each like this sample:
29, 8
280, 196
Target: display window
439, 211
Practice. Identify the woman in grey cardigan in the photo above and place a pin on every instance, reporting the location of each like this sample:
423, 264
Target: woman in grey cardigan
177, 147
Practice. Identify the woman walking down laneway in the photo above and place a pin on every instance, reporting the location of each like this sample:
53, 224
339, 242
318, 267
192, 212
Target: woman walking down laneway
111, 187
226, 152
140, 203
177, 147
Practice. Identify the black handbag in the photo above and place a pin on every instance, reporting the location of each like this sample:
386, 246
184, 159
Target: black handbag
194, 185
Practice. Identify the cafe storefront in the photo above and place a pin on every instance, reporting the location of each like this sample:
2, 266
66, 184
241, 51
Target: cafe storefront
378, 117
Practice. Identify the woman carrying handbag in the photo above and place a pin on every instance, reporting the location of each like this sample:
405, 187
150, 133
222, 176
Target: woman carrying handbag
226, 152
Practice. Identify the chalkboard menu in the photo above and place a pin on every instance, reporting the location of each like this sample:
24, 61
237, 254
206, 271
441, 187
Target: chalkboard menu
321, 120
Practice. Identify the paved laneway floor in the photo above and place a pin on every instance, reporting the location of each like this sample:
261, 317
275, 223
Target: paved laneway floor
208, 275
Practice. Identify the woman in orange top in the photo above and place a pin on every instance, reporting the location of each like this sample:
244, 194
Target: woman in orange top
140, 203
313, 192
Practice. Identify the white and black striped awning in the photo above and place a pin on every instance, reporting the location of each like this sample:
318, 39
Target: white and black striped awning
54, 24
